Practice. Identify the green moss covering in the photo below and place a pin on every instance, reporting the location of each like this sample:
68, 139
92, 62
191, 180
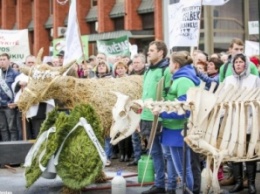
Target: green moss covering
33, 172
79, 162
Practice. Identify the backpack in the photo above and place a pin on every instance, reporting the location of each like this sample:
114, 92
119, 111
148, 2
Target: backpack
226, 66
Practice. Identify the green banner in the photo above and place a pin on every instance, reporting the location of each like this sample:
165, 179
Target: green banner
118, 46
59, 44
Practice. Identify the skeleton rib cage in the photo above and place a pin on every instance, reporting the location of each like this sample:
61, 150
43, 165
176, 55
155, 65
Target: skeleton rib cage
219, 123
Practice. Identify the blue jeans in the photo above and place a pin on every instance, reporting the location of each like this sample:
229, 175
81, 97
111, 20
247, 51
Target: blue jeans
177, 157
108, 147
156, 153
171, 172
137, 147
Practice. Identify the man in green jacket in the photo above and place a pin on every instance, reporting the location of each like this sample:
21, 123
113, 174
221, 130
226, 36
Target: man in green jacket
236, 47
158, 68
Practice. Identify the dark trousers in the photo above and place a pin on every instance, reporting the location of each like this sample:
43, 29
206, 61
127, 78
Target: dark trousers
125, 147
8, 128
19, 125
196, 171
33, 126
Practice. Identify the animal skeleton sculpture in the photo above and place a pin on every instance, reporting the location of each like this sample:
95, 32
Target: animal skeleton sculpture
47, 82
218, 124
126, 117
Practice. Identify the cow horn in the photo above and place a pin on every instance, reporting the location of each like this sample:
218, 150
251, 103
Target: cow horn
66, 67
25, 69
39, 56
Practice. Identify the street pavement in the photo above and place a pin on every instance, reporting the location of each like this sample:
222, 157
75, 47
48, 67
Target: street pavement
12, 181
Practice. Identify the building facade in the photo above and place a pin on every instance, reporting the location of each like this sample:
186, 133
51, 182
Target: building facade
140, 20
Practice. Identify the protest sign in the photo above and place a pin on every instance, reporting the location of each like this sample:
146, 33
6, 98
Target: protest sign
214, 2
15, 43
118, 46
251, 48
184, 23
59, 44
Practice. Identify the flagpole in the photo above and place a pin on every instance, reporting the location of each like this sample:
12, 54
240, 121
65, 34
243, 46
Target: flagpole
192, 48
259, 26
24, 132
200, 25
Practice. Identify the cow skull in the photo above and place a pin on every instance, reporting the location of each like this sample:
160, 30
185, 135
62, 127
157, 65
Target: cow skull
126, 117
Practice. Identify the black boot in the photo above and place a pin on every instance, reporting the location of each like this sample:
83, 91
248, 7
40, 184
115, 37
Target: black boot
251, 174
127, 159
122, 158
238, 174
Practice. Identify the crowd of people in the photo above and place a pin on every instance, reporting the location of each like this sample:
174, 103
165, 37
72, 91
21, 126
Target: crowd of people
181, 71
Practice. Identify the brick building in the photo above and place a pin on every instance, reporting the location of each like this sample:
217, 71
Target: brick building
45, 19
140, 20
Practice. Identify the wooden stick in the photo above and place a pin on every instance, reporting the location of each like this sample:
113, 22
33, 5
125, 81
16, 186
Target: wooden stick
24, 131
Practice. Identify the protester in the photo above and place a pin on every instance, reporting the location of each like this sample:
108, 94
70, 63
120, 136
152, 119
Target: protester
201, 66
8, 128
60, 56
212, 74
103, 70
138, 67
158, 68
88, 71
37, 113
242, 78
184, 77
121, 69
236, 47
16, 67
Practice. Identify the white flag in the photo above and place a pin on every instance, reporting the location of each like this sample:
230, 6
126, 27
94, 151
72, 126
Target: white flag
73, 50
184, 23
214, 2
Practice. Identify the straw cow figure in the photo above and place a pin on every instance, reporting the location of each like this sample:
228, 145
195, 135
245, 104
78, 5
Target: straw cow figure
47, 82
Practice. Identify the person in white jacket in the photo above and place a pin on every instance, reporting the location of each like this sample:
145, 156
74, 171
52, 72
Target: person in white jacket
37, 113
244, 79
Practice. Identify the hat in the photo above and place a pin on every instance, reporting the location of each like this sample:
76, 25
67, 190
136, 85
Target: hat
255, 60
61, 53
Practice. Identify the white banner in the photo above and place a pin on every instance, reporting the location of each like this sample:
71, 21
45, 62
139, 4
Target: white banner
184, 23
251, 48
253, 27
214, 2
15, 43
73, 50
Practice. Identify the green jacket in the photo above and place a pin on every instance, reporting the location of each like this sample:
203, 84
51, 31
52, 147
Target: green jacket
184, 79
151, 78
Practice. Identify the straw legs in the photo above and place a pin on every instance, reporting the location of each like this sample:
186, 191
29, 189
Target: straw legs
238, 174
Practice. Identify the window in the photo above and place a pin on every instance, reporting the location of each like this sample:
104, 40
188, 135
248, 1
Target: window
119, 23
92, 26
228, 22
94, 3
253, 10
148, 21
